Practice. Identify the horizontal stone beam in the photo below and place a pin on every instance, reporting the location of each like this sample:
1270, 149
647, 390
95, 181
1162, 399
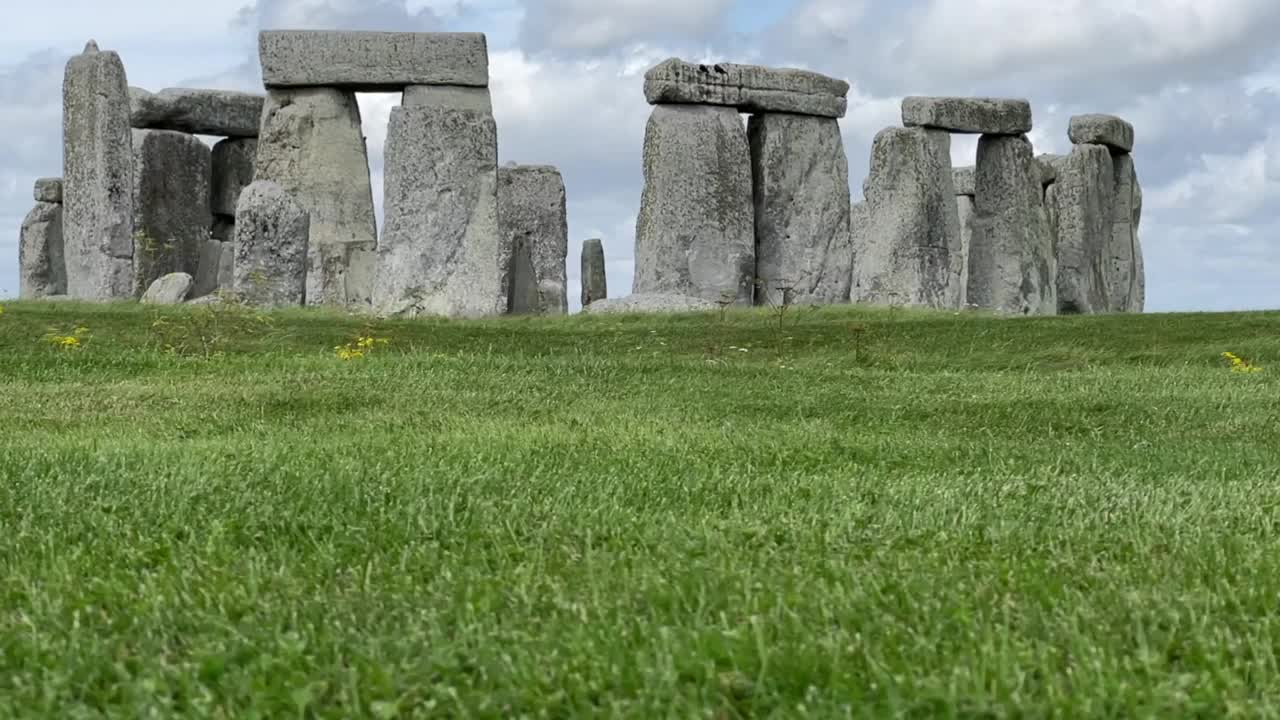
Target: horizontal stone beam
984, 116
48, 190
1106, 130
372, 61
197, 112
749, 88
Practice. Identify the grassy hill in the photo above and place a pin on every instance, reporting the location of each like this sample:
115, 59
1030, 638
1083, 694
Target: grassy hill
862, 513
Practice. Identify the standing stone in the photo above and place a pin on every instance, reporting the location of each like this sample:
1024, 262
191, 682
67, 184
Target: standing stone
800, 172
42, 269
1011, 268
97, 162
595, 284
907, 244
1138, 302
1083, 198
1120, 260
271, 247
311, 145
205, 281
533, 218
695, 234
170, 203
441, 251
233, 164
964, 205
170, 289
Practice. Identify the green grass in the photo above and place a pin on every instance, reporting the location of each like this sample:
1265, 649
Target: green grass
937, 516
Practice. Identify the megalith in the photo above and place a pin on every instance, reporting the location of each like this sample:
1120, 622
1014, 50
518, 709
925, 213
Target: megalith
311, 144
535, 228
372, 61
985, 116
97, 163
171, 289
1082, 200
42, 270
695, 234
233, 170
1120, 263
197, 112
595, 283
270, 266
171, 222
800, 174
964, 181
1097, 129
440, 252
907, 238
749, 88
1011, 260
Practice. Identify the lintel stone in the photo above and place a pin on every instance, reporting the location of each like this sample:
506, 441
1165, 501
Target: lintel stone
986, 116
372, 61
749, 88
1108, 130
198, 112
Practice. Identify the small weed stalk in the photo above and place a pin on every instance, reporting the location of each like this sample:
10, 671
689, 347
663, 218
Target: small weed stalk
858, 332
360, 347
1239, 365
726, 301
205, 330
72, 340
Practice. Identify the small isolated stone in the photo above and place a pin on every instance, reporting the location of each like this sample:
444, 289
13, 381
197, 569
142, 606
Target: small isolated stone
271, 247
651, 303
749, 88
198, 112
372, 61
595, 285
42, 271
533, 220
171, 289
962, 178
48, 190
1108, 130
988, 116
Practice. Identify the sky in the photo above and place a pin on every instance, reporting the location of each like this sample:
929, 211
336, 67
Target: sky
1199, 79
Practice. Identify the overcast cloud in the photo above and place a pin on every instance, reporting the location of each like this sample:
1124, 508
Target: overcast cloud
1200, 79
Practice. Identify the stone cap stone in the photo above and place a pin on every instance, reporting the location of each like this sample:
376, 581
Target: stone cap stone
1106, 130
48, 190
372, 61
964, 180
986, 116
749, 88
198, 112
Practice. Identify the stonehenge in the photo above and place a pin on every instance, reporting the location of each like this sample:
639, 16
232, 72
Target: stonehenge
178, 194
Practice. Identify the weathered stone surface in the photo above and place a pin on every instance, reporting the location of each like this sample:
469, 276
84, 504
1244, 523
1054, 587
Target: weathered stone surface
1119, 266
1011, 261
97, 171
964, 204
206, 277
695, 234
1107, 130
171, 204
963, 179
533, 218
224, 228
170, 289
312, 146
42, 271
800, 172
651, 303
270, 247
907, 244
1049, 164
199, 112
749, 88
233, 163
372, 61
448, 96
989, 116
48, 190
1083, 197
441, 252
595, 282
1138, 302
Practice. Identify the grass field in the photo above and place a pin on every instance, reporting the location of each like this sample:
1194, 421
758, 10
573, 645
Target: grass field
858, 513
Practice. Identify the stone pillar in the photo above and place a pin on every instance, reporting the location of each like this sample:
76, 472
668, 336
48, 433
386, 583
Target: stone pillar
233, 171
907, 240
440, 252
171, 217
1011, 261
963, 180
42, 269
535, 230
311, 144
271, 247
1082, 199
595, 284
695, 234
97, 161
1120, 262
800, 176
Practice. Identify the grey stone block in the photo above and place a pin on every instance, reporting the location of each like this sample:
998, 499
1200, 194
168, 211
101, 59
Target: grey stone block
312, 146
651, 303
456, 97
804, 249
171, 204
535, 226
595, 282
963, 179
989, 116
42, 271
48, 190
749, 88
1049, 165
372, 61
1096, 129
964, 205
907, 243
199, 112
210, 265
171, 289
1120, 262
695, 234
441, 252
1083, 197
270, 247
97, 162
233, 167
